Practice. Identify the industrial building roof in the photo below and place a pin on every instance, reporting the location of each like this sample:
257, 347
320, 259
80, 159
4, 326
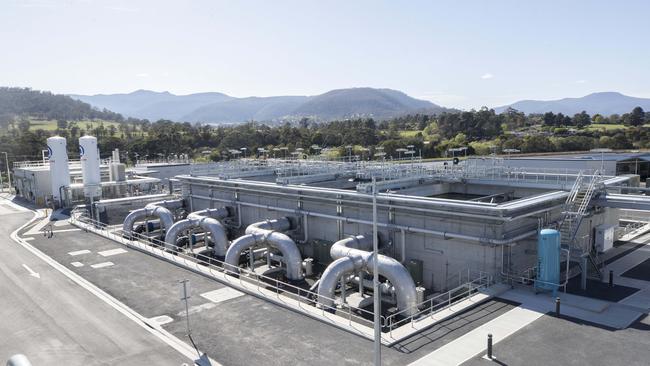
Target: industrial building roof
611, 156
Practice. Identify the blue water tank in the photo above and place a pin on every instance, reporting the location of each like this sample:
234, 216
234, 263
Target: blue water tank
548, 260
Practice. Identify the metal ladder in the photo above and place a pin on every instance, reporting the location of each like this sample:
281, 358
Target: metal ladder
575, 208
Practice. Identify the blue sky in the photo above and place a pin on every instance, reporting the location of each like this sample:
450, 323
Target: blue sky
464, 54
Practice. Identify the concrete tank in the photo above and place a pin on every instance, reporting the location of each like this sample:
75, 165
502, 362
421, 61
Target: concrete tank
59, 172
89, 154
548, 260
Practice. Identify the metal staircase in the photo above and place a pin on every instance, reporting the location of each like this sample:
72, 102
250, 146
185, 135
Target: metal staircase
575, 209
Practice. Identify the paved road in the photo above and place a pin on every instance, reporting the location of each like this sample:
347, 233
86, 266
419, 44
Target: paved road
54, 321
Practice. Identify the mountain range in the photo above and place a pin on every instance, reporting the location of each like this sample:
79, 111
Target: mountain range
221, 108
605, 103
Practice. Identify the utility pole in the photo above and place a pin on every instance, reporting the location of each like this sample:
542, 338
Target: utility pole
184, 297
375, 276
8, 175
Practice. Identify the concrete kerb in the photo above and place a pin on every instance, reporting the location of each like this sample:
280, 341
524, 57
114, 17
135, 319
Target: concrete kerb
152, 327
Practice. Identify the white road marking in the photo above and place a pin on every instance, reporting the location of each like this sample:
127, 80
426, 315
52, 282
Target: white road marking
101, 265
31, 272
36, 229
198, 308
28, 239
77, 264
162, 320
108, 253
222, 294
79, 252
155, 329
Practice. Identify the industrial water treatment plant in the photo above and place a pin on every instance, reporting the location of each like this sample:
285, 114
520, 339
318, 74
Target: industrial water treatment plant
299, 232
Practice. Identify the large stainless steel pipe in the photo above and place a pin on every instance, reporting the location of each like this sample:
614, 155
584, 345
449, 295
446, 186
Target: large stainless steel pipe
352, 254
208, 220
159, 209
264, 232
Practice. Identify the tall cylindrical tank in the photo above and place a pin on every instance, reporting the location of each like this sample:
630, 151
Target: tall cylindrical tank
89, 154
548, 260
59, 171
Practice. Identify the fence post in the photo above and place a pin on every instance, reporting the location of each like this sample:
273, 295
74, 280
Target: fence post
489, 346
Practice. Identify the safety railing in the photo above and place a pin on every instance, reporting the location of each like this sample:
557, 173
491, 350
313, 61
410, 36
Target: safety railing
437, 303
234, 274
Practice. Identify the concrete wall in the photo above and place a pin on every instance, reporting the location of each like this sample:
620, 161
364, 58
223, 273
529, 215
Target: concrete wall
32, 184
443, 258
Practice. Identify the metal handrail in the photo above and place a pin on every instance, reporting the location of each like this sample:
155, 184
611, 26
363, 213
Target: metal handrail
440, 302
302, 296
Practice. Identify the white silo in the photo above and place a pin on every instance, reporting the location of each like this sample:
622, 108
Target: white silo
89, 154
59, 172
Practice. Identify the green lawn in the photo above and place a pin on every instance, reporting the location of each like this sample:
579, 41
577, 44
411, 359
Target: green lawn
606, 127
50, 125
408, 133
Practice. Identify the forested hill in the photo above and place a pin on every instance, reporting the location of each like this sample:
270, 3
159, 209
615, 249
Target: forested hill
218, 108
25, 102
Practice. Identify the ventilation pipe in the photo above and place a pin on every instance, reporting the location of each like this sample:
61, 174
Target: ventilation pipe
267, 232
208, 220
159, 209
352, 255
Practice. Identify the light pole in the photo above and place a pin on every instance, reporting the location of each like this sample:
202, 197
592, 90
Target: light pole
399, 153
375, 278
8, 174
243, 150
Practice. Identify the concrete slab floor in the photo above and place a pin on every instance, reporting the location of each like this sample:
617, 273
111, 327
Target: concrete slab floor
54, 321
568, 341
242, 330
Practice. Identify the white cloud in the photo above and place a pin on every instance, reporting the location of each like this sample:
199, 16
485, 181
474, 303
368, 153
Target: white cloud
487, 76
142, 75
581, 81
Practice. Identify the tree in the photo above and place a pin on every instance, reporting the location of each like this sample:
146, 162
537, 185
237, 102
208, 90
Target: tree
581, 119
549, 119
23, 125
61, 124
637, 117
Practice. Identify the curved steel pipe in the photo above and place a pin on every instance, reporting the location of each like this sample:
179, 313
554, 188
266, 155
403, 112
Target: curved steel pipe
264, 232
158, 209
208, 221
351, 254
